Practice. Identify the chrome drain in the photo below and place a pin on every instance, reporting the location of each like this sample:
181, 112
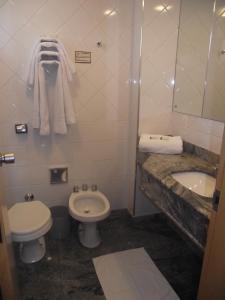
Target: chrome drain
87, 211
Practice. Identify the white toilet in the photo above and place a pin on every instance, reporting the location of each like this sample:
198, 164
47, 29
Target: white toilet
89, 207
29, 222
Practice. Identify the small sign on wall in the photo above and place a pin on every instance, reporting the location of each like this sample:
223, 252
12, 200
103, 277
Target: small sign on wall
83, 57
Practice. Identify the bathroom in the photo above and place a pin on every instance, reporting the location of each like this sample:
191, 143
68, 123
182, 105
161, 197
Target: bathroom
140, 67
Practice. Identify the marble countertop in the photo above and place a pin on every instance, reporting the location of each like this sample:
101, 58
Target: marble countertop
161, 166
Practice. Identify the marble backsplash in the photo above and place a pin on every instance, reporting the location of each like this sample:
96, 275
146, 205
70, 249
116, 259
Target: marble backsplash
195, 150
201, 152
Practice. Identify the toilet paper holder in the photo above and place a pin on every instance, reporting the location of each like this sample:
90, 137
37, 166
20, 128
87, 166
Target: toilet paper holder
58, 174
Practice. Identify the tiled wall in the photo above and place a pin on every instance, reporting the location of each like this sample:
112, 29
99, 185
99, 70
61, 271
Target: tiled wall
160, 29
95, 149
202, 132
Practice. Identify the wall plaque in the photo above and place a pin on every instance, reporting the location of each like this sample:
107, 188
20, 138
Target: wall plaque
83, 57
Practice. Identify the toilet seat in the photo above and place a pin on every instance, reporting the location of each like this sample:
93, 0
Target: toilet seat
29, 220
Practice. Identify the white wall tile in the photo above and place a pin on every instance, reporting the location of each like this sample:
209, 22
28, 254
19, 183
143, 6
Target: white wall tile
4, 37
5, 74
19, 176
95, 149
14, 14
202, 132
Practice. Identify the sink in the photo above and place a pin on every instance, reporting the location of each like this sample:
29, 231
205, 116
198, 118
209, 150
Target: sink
200, 183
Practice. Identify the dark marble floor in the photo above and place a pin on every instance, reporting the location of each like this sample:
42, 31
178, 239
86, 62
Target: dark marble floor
67, 271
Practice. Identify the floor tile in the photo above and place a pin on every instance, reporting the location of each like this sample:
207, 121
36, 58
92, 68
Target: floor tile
67, 271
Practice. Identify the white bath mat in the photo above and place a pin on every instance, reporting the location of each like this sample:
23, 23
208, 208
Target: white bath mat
132, 275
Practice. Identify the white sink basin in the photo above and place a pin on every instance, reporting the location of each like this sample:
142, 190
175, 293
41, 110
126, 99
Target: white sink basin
198, 182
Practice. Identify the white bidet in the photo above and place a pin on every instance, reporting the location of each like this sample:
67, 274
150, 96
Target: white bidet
89, 207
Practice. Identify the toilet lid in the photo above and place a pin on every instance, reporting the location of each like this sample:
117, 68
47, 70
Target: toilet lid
26, 217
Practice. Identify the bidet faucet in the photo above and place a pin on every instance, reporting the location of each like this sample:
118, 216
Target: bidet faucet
76, 189
216, 167
94, 187
29, 197
84, 187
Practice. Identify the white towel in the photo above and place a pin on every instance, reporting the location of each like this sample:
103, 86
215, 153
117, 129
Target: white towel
161, 144
59, 115
49, 42
40, 96
68, 106
62, 109
57, 56
62, 53
43, 102
63, 113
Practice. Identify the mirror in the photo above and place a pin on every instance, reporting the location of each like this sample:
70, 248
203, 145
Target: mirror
214, 100
200, 66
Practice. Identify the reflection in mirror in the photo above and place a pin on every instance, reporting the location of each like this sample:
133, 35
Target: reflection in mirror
214, 100
192, 55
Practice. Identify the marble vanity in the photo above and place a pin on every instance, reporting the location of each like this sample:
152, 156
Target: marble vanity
187, 210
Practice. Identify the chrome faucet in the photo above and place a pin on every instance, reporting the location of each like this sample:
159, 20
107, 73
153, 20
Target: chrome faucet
94, 187
8, 158
84, 187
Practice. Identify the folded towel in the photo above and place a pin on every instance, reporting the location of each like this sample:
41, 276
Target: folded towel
46, 53
59, 114
63, 113
45, 48
36, 106
43, 103
160, 144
